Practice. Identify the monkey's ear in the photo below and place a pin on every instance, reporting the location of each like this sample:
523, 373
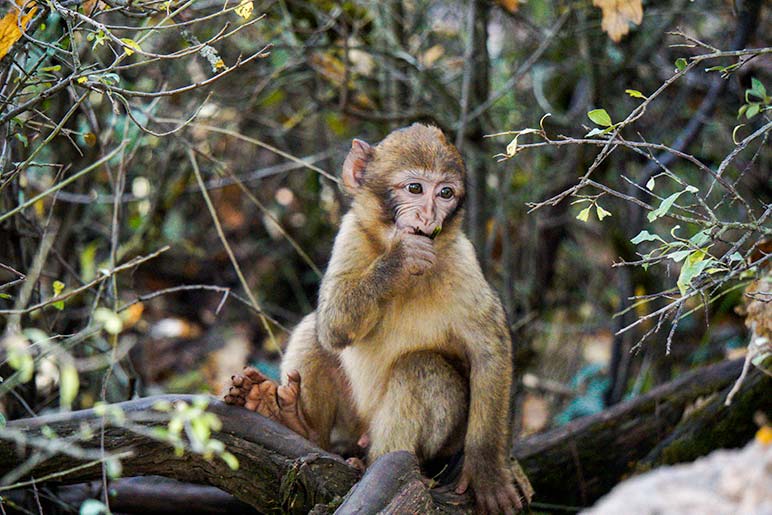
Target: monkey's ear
355, 163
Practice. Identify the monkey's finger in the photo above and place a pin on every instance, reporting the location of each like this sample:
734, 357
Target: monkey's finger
514, 497
238, 380
463, 484
505, 503
294, 377
424, 254
492, 505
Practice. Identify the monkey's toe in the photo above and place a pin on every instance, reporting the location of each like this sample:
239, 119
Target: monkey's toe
357, 464
241, 385
292, 416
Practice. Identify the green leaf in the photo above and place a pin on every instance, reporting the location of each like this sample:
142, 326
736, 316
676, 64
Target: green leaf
92, 507
22, 138
735, 257
753, 110
130, 46
757, 88
594, 132
230, 460
162, 405
600, 116
664, 207
68, 385
650, 184
114, 467
635, 93
679, 255
20, 359
700, 238
602, 213
87, 261
646, 236
692, 267
110, 320
680, 63
2, 421
58, 287
584, 214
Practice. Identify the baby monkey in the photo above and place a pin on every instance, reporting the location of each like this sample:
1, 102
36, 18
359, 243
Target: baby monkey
409, 348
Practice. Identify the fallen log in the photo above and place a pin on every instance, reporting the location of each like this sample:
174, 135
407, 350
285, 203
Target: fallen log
154, 495
572, 465
679, 421
278, 469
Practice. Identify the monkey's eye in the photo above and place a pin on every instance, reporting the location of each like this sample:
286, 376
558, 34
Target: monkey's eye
446, 193
415, 188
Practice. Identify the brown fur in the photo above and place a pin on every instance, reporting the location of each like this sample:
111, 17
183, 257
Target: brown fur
421, 363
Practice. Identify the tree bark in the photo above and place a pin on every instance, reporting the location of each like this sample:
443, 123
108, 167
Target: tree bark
278, 469
572, 465
676, 422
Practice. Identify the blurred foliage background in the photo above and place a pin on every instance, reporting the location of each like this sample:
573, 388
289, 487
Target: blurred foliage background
108, 111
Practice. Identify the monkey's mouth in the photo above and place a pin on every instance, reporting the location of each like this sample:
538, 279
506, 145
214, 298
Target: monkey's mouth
437, 230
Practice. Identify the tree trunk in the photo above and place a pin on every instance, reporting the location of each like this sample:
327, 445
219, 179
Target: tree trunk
676, 422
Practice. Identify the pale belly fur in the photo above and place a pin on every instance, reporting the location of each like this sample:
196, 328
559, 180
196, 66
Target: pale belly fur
367, 362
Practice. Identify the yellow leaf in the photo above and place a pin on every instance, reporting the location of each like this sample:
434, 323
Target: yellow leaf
130, 46
40, 208
510, 5
430, 56
13, 24
617, 16
82, 80
68, 385
132, 315
764, 435
245, 9
602, 213
58, 287
584, 214
90, 139
330, 67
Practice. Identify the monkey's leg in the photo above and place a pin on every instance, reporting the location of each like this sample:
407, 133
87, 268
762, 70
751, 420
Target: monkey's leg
423, 409
310, 410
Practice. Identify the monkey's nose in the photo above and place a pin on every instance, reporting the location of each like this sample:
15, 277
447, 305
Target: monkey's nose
428, 230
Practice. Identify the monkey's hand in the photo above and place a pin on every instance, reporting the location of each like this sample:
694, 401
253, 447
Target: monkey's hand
416, 252
494, 491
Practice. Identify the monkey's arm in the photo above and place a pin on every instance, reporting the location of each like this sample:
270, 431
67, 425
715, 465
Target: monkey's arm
486, 447
349, 303
353, 288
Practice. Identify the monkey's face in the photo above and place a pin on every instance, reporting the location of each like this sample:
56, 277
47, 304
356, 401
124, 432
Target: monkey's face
421, 200
413, 179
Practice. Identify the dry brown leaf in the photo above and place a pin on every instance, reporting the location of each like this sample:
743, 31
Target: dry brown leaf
510, 5
91, 6
13, 23
329, 66
617, 16
430, 56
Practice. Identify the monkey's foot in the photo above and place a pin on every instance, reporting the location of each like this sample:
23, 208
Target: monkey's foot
357, 464
280, 403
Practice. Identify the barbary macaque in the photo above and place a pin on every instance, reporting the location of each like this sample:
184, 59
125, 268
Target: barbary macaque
409, 348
